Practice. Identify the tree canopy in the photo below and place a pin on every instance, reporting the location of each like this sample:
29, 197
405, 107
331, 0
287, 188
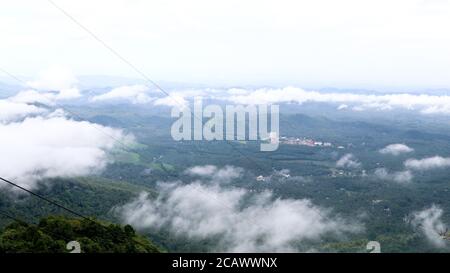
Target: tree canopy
53, 233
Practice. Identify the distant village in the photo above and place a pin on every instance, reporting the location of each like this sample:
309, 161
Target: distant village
306, 142
303, 141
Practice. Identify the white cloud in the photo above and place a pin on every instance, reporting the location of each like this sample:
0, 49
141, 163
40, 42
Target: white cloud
48, 98
33, 96
283, 175
54, 146
56, 83
174, 100
430, 223
436, 109
342, 107
400, 176
137, 94
178, 98
348, 161
52, 85
237, 91
225, 174
54, 78
426, 104
263, 224
10, 111
396, 149
428, 163
68, 94
38, 144
206, 170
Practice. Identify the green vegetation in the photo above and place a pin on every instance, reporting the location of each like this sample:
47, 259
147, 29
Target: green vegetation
53, 233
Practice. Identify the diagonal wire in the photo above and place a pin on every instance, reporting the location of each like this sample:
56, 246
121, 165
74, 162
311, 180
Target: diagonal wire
149, 80
55, 204
124, 145
45, 199
142, 74
139, 72
112, 50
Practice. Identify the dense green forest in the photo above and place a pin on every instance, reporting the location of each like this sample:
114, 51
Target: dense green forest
53, 233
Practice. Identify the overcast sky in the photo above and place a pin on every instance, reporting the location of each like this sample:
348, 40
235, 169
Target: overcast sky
383, 43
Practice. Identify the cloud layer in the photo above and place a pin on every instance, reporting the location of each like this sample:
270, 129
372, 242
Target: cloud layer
345, 101
426, 104
241, 222
10, 111
54, 146
38, 143
63, 82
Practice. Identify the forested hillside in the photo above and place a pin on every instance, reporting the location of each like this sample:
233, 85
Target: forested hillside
53, 233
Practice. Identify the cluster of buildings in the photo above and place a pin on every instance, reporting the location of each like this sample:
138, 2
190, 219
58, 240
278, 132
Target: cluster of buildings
342, 173
280, 174
304, 141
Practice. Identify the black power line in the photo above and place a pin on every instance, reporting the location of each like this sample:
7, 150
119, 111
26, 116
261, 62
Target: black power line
139, 72
55, 204
142, 74
117, 140
46, 199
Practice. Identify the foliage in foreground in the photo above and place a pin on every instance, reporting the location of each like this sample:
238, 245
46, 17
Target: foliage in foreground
53, 233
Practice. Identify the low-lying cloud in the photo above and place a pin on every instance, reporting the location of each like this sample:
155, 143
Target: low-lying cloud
411, 165
428, 163
399, 176
57, 82
136, 94
53, 145
225, 174
38, 143
396, 149
63, 82
429, 222
284, 175
238, 220
180, 98
426, 104
10, 111
348, 161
